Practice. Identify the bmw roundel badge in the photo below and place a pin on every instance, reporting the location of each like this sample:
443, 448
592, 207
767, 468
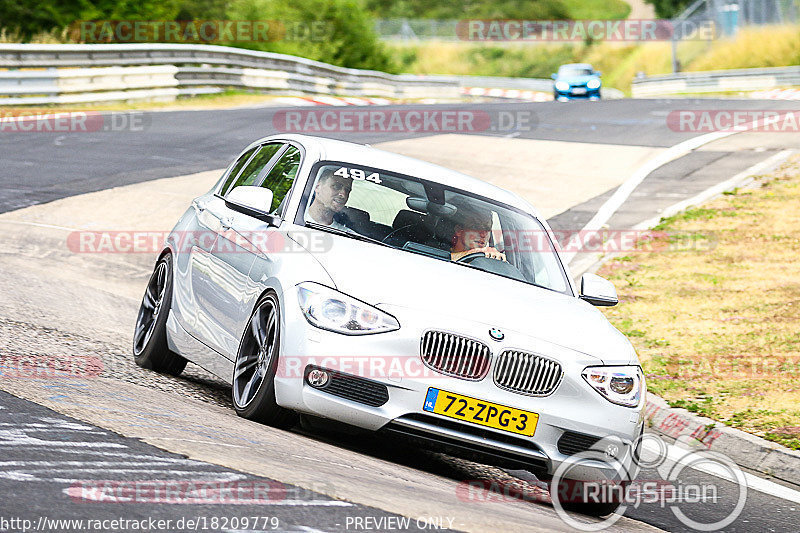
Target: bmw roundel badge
496, 334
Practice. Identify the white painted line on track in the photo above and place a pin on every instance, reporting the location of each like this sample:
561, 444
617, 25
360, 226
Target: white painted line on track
155, 461
38, 225
683, 456
71, 444
736, 181
624, 191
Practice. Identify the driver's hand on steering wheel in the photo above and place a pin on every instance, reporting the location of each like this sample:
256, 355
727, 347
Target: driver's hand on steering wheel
488, 251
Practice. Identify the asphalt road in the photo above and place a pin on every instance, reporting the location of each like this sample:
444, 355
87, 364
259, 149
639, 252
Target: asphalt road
40, 167
58, 473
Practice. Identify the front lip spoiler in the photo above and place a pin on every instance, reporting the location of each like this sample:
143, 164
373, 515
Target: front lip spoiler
426, 431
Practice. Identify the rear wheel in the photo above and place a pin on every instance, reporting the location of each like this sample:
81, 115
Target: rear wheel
150, 348
256, 363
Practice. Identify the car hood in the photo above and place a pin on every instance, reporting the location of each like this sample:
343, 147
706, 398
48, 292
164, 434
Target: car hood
577, 80
384, 276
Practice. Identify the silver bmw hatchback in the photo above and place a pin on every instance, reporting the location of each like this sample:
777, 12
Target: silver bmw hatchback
336, 280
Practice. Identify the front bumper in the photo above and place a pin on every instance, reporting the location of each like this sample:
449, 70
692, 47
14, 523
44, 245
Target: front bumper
571, 94
392, 360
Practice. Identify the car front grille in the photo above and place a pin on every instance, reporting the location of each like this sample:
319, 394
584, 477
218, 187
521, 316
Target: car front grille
455, 355
527, 373
571, 443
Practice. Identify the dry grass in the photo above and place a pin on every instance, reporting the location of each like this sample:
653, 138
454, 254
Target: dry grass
620, 62
774, 46
718, 330
226, 99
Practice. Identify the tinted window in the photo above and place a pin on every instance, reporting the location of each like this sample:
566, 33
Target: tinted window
236, 168
250, 174
280, 178
433, 219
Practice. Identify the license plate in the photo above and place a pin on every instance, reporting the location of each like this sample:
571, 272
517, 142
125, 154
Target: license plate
578, 90
480, 412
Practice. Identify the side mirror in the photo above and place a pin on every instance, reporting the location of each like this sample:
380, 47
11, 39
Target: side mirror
553, 76
599, 74
253, 201
598, 291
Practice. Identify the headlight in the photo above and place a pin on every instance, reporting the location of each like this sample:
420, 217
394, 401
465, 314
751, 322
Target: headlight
622, 385
593, 84
562, 86
335, 311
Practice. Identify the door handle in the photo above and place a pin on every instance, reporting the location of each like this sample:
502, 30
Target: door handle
226, 223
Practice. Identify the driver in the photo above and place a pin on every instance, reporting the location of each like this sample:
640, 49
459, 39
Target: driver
330, 196
472, 227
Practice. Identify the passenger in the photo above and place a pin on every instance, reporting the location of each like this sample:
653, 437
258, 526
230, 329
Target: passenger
330, 196
472, 228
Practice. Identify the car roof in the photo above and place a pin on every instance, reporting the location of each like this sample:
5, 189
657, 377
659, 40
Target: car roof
362, 154
576, 65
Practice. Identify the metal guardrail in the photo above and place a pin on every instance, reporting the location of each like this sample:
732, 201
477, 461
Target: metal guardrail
102, 72
65, 74
716, 81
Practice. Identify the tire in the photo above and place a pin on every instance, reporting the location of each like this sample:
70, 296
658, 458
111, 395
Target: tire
253, 389
150, 348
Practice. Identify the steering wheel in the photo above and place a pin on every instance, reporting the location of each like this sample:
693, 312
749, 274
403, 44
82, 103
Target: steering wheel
395, 231
471, 257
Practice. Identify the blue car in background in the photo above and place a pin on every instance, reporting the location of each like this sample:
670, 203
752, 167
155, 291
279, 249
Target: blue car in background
576, 80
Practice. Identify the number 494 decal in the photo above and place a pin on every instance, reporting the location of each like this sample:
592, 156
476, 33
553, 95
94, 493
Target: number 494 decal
358, 174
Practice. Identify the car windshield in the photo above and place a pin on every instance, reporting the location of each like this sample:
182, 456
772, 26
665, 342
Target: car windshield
426, 217
573, 71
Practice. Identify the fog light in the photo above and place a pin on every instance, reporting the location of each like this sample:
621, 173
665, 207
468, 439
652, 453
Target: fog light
317, 378
612, 450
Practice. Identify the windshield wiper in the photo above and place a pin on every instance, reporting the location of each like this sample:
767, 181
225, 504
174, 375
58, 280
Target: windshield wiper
351, 233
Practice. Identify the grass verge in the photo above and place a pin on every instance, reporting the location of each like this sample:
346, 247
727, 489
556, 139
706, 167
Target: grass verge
770, 46
716, 326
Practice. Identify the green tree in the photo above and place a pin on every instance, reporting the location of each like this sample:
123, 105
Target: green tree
669, 8
447, 9
44, 15
333, 31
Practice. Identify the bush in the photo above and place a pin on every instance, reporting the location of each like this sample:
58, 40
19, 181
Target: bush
348, 38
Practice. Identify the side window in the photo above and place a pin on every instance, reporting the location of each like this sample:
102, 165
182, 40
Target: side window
236, 168
251, 172
280, 178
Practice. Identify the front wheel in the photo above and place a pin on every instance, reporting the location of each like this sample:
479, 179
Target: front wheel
255, 367
150, 348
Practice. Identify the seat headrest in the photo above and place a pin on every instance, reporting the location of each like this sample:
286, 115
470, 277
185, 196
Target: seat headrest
407, 218
357, 216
